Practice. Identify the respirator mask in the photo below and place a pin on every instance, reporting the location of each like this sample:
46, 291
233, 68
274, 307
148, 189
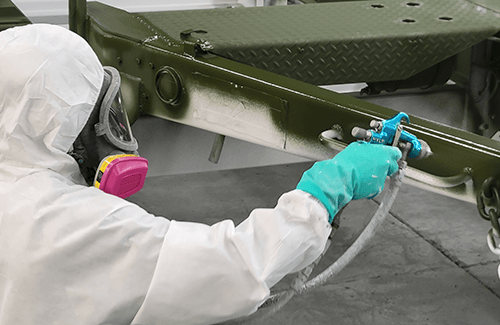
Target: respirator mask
105, 149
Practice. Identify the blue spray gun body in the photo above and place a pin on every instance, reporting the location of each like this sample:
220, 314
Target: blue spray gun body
390, 132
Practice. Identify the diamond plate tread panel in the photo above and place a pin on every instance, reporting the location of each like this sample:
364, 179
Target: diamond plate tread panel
10, 15
342, 42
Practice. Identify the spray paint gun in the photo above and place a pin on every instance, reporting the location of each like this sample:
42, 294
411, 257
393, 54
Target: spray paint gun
390, 132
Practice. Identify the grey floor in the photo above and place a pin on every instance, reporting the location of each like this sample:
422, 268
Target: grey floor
427, 264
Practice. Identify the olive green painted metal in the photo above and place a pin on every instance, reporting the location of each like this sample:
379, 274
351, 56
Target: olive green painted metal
342, 42
11, 16
493, 5
77, 11
237, 100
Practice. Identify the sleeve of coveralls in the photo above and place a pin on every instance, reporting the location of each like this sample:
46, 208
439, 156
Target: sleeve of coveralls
208, 274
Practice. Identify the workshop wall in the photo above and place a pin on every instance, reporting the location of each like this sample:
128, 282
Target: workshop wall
57, 10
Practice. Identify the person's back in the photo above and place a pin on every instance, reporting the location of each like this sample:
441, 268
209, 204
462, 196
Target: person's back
65, 255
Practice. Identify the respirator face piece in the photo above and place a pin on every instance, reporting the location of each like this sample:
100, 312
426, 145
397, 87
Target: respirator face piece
106, 150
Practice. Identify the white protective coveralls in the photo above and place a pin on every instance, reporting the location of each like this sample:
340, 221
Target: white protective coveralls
72, 254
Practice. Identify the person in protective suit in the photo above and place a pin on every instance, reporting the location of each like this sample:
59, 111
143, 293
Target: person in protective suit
73, 254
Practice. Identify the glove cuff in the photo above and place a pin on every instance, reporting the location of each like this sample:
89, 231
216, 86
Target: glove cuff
313, 189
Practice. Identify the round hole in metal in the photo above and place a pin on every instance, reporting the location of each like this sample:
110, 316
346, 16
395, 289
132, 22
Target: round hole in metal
168, 85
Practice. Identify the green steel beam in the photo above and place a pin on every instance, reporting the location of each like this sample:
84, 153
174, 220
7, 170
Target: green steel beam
11, 16
77, 12
175, 80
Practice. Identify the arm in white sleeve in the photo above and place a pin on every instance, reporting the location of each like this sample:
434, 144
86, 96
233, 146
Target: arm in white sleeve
205, 274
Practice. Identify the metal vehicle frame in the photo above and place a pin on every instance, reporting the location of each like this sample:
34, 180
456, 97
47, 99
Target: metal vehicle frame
184, 79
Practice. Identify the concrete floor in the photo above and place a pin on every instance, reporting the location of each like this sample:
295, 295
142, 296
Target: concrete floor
428, 263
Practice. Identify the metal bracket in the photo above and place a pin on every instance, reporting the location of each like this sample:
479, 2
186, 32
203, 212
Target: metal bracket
195, 45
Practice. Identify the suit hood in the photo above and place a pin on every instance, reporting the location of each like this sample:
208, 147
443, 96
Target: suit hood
50, 83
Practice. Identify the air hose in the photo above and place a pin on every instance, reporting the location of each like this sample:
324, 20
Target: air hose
385, 132
300, 283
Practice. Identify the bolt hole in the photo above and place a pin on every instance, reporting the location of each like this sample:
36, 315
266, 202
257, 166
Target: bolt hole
484, 127
445, 18
409, 21
413, 4
377, 6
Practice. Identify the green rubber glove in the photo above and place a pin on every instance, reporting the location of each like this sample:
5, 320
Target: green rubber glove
357, 172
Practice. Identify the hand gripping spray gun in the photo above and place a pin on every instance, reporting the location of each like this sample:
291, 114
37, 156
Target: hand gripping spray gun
386, 132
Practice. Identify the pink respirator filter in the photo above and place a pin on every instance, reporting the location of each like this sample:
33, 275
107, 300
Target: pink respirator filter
123, 176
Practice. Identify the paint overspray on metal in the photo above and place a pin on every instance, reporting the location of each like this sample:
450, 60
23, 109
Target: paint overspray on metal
234, 109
